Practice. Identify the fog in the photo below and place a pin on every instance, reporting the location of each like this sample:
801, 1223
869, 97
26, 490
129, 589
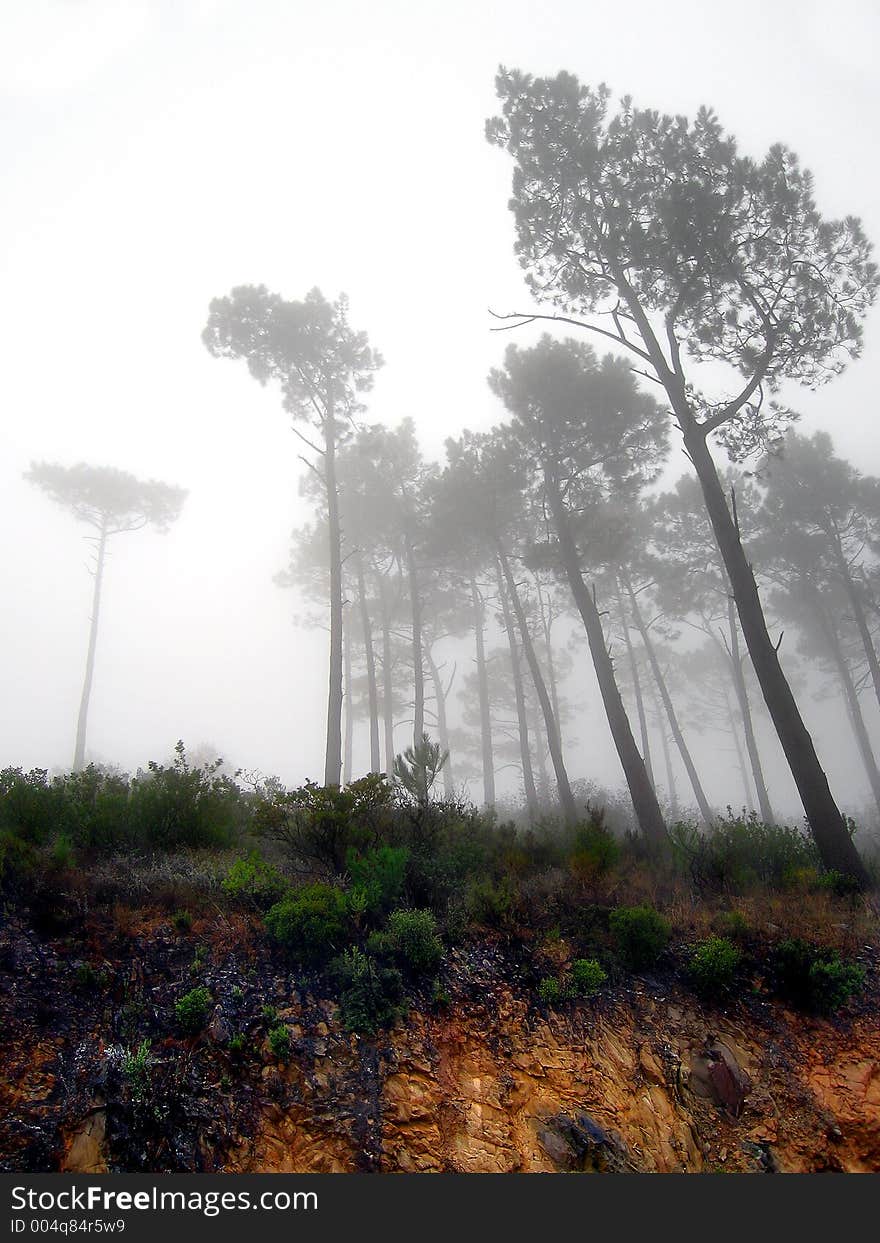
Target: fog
159, 155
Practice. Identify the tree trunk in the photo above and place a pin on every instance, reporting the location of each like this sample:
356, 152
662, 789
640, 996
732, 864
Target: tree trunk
566, 798
387, 676
372, 691
79, 753
829, 829
666, 698
539, 736
641, 791
348, 735
333, 754
667, 758
418, 670
637, 687
551, 664
442, 727
861, 623
519, 695
857, 720
745, 711
740, 758
485, 714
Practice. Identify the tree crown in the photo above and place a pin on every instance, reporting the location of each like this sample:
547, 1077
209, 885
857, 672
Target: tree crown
107, 498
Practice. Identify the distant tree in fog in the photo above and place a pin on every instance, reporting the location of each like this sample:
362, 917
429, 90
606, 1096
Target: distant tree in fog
321, 365
587, 432
111, 502
656, 233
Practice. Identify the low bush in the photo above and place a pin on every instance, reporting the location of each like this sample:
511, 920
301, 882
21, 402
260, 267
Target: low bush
713, 966
740, 853
587, 977
254, 882
550, 990
595, 849
491, 905
311, 922
279, 1042
640, 934
377, 877
412, 937
813, 977
371, 993
192, 1010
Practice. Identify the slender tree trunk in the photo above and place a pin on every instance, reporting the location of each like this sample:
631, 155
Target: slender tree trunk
519, 695
857, 720
79, 753
539, 736
740, 757
372, 690
745, 711
861, 623
835, 845
644, 799
667, 757
551, 664
348, 735
666, 698
485, 714
442, 726
418, 669
333, 755
637, 687
387, 675
566, 798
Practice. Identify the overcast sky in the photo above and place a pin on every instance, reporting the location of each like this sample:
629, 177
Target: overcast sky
159, 152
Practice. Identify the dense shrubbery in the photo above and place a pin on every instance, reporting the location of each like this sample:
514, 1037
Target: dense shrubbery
741, 852
815, 978
412, 938
310, 922
165, 808
254, 881
192, 1010
713, 966
640, 935
377, 878
322, 825
371, 992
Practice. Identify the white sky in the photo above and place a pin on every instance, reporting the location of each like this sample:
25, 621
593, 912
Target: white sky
157, 153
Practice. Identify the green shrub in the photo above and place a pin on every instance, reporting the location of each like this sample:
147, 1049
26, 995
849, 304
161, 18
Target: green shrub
192, 1010
254, 881
595, 848
840, 884
137, 1069
489, 904
371, 993
550, 990
378, 875
269, 1013
88, 979
412, 936
741, 852
179, 806
279, 1042
310, 922
182, 921
713, 966
587, 976
237, 1044
323, 823
640, 934
814, 977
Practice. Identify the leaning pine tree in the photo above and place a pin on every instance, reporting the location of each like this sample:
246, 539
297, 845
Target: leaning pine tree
656, 234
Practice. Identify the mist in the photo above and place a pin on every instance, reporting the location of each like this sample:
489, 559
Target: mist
161, 156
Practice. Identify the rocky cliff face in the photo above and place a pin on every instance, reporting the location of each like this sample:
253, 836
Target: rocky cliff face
644, 1079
